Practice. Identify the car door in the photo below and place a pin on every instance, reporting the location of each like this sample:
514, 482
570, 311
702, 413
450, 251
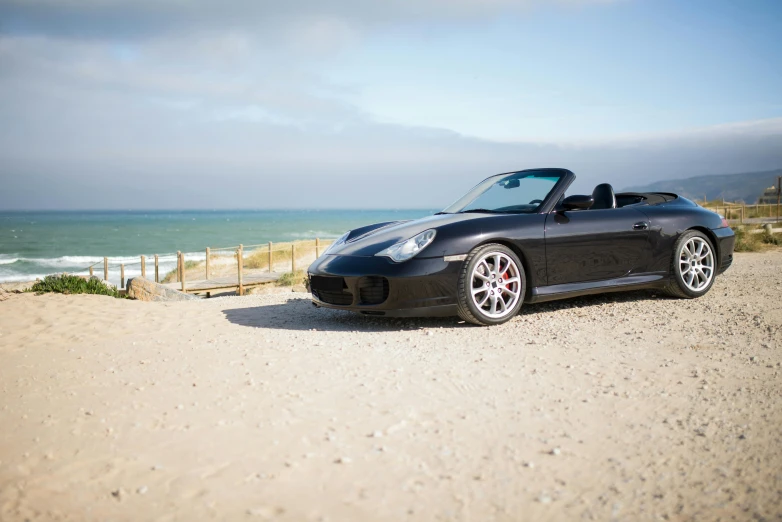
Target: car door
595, 245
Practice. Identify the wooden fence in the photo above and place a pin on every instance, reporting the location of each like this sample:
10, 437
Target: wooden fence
737, 212
263, 257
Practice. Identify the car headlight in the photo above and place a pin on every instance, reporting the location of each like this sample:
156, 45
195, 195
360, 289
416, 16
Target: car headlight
409, 248
336, 243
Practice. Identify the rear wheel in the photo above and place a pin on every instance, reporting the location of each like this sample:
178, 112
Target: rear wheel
492, 285
694, 266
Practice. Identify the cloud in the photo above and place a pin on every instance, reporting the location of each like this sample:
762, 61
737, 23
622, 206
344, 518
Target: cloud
103, 148
151, 105
309, 19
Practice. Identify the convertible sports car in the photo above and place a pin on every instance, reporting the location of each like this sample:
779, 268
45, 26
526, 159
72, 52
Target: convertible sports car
516, 238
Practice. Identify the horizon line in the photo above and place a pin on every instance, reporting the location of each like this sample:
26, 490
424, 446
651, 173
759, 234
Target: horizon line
235, 209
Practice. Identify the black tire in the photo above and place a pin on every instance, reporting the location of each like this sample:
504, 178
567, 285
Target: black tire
677, 286
468, 309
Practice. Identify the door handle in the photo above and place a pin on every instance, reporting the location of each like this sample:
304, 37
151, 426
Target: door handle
643, 225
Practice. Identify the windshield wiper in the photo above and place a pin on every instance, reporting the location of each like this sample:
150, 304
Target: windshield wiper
480, 211
487, 211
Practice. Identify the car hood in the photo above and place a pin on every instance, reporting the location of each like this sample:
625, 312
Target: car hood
368, 241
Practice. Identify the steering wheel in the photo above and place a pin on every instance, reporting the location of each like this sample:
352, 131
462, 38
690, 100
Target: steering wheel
536, 202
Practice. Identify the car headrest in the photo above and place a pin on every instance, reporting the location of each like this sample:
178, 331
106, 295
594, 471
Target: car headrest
604, 197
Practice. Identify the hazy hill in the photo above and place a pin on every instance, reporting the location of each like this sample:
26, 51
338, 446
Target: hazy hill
745, 187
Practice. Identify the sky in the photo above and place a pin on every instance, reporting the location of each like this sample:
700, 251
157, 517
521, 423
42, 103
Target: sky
354, 104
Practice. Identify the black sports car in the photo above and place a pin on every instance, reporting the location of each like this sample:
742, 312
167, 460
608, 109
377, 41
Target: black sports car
516, 238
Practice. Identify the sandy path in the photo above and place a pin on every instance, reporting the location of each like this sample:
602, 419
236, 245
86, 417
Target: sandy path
618, 407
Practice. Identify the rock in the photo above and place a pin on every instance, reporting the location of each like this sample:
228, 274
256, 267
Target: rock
556, 451
299, 288
344, 460
146, 290
142, 490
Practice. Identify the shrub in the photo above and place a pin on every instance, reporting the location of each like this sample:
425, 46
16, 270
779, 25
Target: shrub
746, 241
770, 239
299, 277
70, 284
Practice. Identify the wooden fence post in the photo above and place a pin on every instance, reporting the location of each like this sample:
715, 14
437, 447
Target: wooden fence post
207, 262
271, 261
239, 262
105, 268
779, 195
122, 275
184, 288
157, 270
178, 266
293, 257
317, 248
91, 272
144, 267
743, 208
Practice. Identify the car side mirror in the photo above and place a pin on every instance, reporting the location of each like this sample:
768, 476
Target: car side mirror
577, 202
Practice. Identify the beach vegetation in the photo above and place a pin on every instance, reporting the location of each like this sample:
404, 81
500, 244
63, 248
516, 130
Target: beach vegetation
224, 264
768, 238
747, 241
299, 277
71, 284
170, 277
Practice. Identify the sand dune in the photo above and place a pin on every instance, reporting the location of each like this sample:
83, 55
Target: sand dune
619, 407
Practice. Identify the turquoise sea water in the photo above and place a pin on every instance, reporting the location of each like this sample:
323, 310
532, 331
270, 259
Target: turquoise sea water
33, 244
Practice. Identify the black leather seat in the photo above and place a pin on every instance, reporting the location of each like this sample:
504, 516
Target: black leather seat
604, 197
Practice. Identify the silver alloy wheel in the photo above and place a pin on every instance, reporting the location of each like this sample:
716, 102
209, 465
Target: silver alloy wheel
696, 264
496, 285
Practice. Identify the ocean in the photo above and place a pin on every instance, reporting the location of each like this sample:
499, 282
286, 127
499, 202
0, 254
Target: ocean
35, 243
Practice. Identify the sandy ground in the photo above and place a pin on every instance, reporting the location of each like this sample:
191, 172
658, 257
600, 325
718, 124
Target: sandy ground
616, 407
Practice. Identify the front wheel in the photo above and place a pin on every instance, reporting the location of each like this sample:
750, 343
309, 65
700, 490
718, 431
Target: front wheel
694, 266
492, 285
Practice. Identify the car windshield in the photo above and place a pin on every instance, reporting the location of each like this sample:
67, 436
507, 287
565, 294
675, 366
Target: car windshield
518, 192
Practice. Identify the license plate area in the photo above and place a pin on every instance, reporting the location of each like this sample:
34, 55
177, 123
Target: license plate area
327, 284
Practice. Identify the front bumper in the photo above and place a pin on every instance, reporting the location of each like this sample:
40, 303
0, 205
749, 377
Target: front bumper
378, 286
726, 241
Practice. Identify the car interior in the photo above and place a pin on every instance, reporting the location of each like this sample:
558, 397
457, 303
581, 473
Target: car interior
603, 198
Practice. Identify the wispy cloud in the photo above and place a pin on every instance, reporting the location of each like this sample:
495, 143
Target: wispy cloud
102, 98
119, 19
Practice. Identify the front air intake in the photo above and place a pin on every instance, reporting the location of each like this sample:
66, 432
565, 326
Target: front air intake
372, 290
331, 290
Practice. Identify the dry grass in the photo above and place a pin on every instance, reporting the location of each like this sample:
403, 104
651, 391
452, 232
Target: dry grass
299, 277
224, 263
746, 241
733, 210
281, 255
